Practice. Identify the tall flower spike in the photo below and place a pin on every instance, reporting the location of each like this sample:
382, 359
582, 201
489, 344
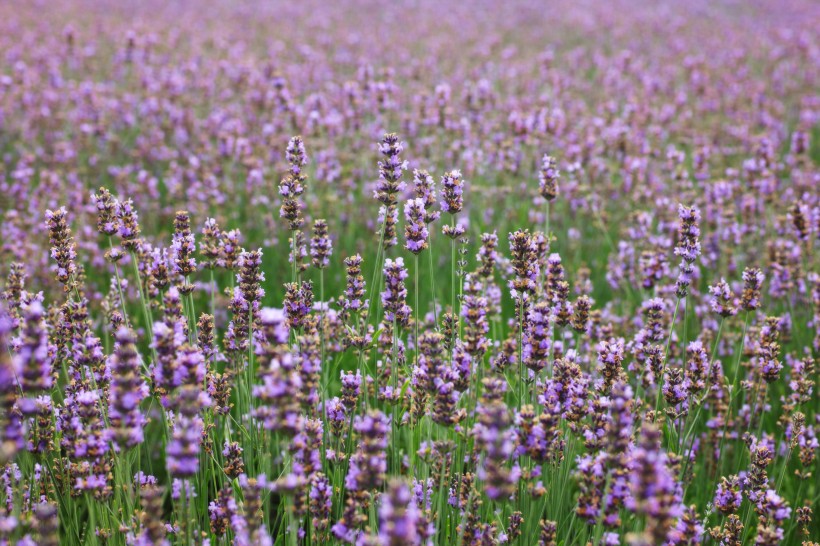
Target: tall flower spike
487, 255
321, 498
548, 178
688, 247
107, 222
474, 311
33, 358
183, 249
752, 283
395, 294
352, 301
388, 218
14, 289
209, 246
452, 192
723, 301
425, 189
251, 278
398, 516
127, 391
537, 337
390, 170
321, 246
524, 264
229, 249
292, 186
494, 436
298, 302
368, 465
11, 426
128, 225
415, 228
389, 185
654, 491
62, 247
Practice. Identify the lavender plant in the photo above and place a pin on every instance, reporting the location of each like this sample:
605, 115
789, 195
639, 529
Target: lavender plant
190, 352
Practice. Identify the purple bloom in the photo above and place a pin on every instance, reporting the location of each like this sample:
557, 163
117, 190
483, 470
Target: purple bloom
688, 247
368, 465
548, 178
452, 192
723, 301
321, 246
425, 189
127, 391
395, 294
728, 497
398, 517
415, 230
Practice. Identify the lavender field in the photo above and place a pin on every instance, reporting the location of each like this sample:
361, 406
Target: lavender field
420, 272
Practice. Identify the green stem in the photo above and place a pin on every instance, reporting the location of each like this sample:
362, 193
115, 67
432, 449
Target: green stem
659, 380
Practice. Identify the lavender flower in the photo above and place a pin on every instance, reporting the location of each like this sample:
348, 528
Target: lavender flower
415, 230
390, 170
34, 356
494, 437
127, 391
723, 301
548, 178
395, 294
537, 337
321, 496
688, 247
250, 282
321, 246
368, 465
525, 266
654, 491
487, 255
389, 185
209, 246
107, 222
727, 497
129, 228
474, 310
62, 247
425, 189
398, 516
452, 192
298, 303
11, 426
753, 281
292, 186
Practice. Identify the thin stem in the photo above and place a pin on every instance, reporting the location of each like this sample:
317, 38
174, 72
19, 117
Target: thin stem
665, 355
119, 287
433, 281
